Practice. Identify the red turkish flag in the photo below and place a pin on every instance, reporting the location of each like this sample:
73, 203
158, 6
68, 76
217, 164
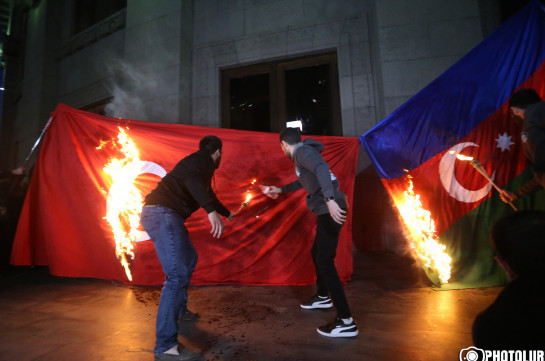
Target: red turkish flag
62, 224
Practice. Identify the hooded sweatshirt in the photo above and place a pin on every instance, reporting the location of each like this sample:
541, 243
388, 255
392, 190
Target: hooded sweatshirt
313, 174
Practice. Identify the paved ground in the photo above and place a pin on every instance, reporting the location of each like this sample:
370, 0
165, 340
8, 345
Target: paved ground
400, 317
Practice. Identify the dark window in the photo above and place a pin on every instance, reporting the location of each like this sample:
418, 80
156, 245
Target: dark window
250, 103
90, 12
265, 97
308, 99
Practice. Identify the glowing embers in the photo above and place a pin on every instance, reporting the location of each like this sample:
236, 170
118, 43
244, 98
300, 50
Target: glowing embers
124, 200
422, 234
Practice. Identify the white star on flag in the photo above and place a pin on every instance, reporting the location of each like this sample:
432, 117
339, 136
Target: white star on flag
504, 141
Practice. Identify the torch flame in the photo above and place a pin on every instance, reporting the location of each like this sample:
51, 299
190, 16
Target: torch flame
460, 156
422, 234
248, 197
463, 157
124, 200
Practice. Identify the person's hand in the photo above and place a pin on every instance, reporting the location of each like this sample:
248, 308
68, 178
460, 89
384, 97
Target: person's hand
270, 191
217, 224
18, 171
336, 212
507, 196
231, 217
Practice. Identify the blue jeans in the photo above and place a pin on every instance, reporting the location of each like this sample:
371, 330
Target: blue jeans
178, 257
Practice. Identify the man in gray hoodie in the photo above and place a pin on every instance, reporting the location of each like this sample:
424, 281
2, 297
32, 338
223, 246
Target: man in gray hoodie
329, 204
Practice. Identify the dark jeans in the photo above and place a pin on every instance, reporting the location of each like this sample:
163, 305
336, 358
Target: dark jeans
323, 252
178, 257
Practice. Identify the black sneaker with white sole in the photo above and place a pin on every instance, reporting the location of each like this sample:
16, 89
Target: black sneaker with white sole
317, 302
338, 328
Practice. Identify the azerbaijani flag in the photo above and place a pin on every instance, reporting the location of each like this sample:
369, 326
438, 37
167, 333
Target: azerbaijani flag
465, 111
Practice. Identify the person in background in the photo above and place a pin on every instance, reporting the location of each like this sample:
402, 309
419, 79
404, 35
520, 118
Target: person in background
12, 193
526, 104
515, 320
181, 192
329, 204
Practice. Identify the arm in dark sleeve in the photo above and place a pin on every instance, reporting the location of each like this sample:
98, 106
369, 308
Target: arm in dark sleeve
217, 205
196, 179
527, 188
314, 162
290, 187
197, 187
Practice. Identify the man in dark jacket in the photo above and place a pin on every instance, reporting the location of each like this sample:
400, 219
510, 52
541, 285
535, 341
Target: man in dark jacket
181, 192
326, 200
515, 320
526, 104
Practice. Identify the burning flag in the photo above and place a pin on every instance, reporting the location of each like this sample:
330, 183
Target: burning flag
465, 110
124, 202
422, 235
62, 223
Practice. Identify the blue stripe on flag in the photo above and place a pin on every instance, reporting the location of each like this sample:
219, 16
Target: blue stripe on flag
462, 97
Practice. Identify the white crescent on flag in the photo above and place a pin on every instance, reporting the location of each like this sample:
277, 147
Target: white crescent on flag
145, 167
451, 184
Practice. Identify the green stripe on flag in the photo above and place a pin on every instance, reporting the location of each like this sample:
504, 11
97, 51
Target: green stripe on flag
468, 241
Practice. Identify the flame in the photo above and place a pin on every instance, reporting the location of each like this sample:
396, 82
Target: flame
422, 234
460, 156
463, 157
124, 200
253, 181
248, 197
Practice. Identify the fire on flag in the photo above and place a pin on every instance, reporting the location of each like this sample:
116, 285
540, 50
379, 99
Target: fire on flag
422, 234
124, 200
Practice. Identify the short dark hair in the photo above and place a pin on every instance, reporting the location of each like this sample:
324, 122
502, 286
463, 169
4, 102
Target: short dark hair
210, 144
519, 239
291, 136
523, 98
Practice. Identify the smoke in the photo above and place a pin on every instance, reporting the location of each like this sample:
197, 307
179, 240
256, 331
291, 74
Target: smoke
131, 89
145, 84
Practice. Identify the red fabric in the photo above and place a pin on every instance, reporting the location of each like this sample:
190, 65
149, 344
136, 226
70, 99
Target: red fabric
62, 223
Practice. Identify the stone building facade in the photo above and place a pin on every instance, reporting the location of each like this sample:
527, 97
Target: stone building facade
169, 61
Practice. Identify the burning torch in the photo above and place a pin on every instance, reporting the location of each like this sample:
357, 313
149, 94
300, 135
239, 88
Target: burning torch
248, 197
245, 203
479, 167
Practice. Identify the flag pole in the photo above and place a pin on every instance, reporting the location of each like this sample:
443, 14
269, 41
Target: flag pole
478, 166
25, 163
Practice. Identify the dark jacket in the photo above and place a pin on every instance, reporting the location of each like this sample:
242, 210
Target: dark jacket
516, 319
314, 176
188, 187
